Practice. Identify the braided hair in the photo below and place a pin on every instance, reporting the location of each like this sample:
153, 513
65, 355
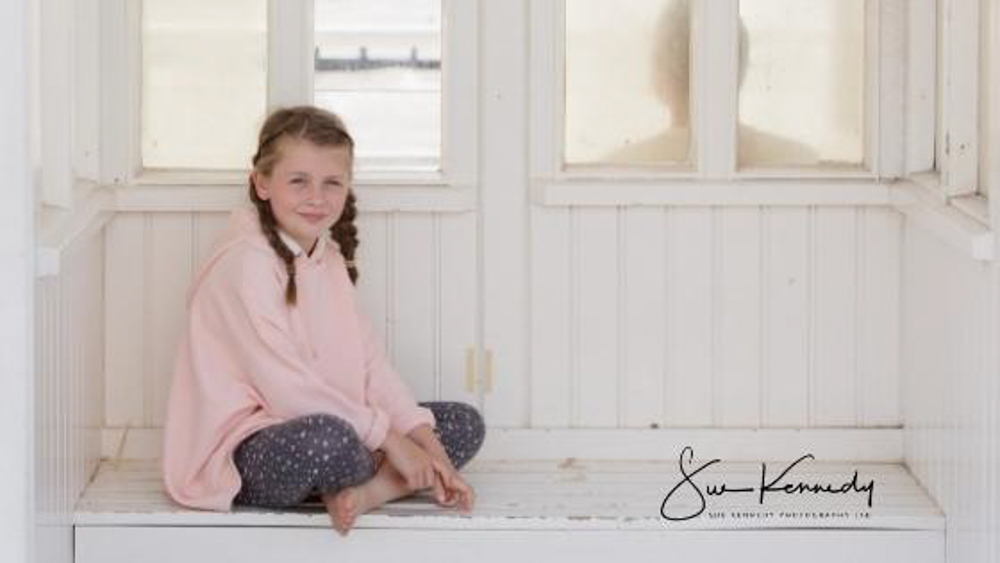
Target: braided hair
324, 129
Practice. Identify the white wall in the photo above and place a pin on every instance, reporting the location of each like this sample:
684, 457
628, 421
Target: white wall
683, 317
16, 280
951, 393
69, 395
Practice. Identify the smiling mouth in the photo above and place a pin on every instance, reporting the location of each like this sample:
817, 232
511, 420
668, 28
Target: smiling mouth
313, 217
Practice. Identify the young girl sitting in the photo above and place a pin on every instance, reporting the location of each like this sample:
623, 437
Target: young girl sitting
280, 389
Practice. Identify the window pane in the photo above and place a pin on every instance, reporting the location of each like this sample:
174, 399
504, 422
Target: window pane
204, 82
627, 82
378, 66
802, 93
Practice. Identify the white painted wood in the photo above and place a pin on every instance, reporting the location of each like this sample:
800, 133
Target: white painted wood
207, 228
551, 375
891, 85
690, 300
503, 223
949, 356
126, 305
168, 254
17, 246
457, 298
56, 62
68, 399
414, 306
739, 318
789, 192
715, 72
786, 287
924, 207
833, 390
120, 100
921, 88
879, 244
595, 273
643, 330
86, 70
862, 445
290, 44
170, 544
374, 281
958, 81
201, 196
460, 89
573, 495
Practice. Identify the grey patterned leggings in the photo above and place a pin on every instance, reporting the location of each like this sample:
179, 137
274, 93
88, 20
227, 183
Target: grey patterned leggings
284, 464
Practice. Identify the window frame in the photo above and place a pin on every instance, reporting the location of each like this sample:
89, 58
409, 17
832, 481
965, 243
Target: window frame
290, 60
945, 100
715, 60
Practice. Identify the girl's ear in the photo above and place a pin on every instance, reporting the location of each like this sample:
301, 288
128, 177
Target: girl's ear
260, 186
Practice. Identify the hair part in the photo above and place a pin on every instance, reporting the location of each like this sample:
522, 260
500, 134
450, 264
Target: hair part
321, 128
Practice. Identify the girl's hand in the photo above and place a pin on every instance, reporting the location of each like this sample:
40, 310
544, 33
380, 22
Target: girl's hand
418, 468
456, 492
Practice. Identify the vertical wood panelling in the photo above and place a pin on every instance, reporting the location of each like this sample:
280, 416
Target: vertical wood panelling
951, 393
726, 317
69, 391
596, 274
125, 329
644, 329
738, 372
879, 311
551, 371
373, 282
207, 228
415, 305
832, 397
786, 330
690, 314
169, 264
457, 327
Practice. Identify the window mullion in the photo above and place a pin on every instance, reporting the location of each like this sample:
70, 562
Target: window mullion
921, 95
290, 47
460, 91
547, 103
715, 86
884, 83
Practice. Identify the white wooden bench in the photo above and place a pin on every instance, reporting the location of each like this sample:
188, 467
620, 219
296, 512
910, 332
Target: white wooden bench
559, 509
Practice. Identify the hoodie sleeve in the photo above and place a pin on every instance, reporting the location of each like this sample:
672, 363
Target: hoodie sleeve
385, 389
252, 316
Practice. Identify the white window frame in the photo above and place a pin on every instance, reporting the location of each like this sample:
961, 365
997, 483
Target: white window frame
944, 101
716, 180
290, 62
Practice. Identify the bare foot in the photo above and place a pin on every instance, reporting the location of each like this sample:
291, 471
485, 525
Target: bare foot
346, 505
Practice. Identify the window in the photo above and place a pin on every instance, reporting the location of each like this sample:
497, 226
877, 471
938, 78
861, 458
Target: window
211, 70
802, 93
378, 65
204, 82
700, 88
627, 82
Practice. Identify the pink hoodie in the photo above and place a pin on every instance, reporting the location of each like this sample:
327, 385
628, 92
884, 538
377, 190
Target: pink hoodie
247, 360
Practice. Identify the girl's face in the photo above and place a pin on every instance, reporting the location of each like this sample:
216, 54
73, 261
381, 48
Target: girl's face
306, 189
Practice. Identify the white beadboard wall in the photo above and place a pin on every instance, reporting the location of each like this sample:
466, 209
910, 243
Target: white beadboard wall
69, 393
417, 284
745, 317
714, 317
951, 395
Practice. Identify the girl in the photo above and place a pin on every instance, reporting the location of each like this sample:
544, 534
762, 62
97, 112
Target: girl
280, 390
